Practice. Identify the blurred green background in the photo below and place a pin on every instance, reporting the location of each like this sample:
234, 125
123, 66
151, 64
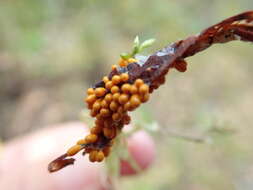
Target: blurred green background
51, 51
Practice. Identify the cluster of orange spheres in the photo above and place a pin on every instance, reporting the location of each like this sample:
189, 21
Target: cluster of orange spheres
110, 106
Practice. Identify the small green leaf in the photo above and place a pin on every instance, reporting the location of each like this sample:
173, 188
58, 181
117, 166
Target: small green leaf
135, 51
125, 55
136, 41
136, 46
147, 43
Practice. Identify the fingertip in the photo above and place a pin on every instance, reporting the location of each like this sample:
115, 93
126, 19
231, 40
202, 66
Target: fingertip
142, 149
82, 175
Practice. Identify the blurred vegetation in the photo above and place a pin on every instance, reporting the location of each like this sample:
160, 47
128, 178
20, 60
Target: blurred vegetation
51, 51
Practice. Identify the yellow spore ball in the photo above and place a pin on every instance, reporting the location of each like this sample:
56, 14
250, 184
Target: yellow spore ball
100, 91
109, 85
124, 77
144, 89
90, 99
114, 89
114, 106
109, 132
138, 82
93, 155
100, 156
135, 101
145, 97
127, 106
96, 106
116, 116
104, 104
126, 88
133, 89
108, 97
91, 138
116, 79
81, 141
123, 98
90, 91
73, 150
96, 130
132, 60
114, 67
123, 62
104, 112
105, 79
116, 96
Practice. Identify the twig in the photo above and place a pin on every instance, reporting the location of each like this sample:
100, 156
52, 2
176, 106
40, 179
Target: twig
187, 137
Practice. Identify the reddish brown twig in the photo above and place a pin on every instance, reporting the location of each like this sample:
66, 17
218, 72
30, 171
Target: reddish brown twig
239, 27
153, 70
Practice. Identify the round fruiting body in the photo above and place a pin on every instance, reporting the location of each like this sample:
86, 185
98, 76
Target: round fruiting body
135, 101
114, 106
109, 132
108, 97
105, 79
133, 89
116, 79
138, 82
114, 89
116, 96
81, 142
124, 77
105, 112
123, 98
93, 155
143, 89
90, 99
100, 91
109, 85
90, 91
91, 138
100, 156
126, 88
73, 150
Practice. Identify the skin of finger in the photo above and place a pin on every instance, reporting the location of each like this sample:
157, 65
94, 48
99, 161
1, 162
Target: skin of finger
141, 148
24, 161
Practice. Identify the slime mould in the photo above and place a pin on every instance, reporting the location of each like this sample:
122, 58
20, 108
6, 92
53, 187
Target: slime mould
130, 83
